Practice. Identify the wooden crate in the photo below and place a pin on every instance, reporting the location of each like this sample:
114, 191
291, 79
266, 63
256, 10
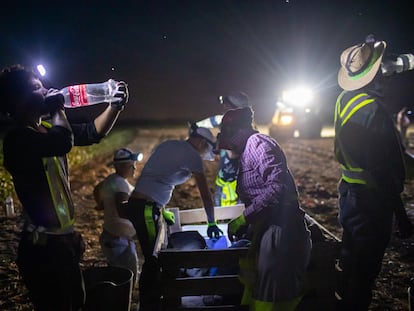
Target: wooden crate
175, 286
172, 262
320, 275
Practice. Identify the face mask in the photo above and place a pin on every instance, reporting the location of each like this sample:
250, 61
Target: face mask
208, 155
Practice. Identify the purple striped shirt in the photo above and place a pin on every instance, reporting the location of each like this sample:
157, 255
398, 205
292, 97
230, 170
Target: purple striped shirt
264, 177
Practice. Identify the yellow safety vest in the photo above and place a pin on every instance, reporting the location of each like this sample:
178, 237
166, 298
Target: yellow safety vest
351, 172
59, 188
228, 189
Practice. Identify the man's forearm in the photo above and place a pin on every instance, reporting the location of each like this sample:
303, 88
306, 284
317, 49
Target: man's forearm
210, 213
106, 120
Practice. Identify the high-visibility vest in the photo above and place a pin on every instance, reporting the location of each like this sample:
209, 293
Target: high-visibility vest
351, 172
58, 182
228, 191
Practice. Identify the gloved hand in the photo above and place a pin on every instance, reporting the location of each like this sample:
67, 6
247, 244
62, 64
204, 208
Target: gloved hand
236, 228
213, 230
168, 216
54, 101
123, 93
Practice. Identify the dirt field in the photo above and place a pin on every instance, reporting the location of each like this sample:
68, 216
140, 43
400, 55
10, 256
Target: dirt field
316, 173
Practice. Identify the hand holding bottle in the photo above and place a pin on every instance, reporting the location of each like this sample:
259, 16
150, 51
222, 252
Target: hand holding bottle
122, 93
54, 101
402, 63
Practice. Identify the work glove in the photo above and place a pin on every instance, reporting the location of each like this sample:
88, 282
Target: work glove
54, 101
123, 93
213, 231
169, 217
236, 228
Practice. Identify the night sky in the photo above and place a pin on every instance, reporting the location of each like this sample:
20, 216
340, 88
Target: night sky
178, 56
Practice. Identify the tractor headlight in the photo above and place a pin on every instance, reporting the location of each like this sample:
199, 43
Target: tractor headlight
300, 96
286, 119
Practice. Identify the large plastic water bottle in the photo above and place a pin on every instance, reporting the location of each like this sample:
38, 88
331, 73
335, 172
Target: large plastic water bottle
403, 62
90, 94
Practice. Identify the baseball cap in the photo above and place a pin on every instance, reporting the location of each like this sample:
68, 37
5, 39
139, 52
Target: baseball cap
360, 64
125, 155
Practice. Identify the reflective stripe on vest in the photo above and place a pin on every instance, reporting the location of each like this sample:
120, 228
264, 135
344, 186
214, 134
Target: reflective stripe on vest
355, 175
59, 190
351, 173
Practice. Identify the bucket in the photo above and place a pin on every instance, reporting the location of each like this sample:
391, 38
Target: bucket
108, 288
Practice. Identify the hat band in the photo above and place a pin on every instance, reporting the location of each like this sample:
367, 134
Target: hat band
357, 75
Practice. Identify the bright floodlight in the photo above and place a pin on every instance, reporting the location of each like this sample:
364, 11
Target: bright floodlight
299, 95
41, 70
286, 119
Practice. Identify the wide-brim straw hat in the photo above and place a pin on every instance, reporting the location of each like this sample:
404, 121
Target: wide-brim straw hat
359, 65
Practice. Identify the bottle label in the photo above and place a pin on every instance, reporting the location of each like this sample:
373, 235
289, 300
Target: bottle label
78, 96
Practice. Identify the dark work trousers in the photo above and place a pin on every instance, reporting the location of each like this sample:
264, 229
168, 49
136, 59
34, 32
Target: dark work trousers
51, 272
366, 216
149, 281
